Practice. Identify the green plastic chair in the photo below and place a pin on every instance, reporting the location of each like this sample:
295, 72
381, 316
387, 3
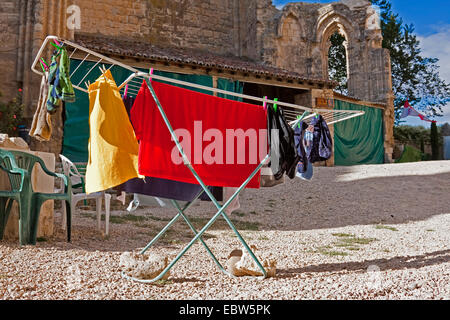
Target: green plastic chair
19, 166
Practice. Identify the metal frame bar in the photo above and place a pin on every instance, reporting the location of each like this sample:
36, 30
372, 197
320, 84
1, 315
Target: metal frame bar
136, 73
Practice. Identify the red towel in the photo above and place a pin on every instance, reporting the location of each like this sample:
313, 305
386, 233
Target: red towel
201, 123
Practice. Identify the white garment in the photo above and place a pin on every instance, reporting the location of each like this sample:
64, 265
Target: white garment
234, 205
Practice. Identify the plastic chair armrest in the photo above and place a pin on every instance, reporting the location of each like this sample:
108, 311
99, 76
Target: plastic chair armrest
67, 182
20, 171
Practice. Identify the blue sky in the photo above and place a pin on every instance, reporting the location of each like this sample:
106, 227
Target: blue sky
431, 20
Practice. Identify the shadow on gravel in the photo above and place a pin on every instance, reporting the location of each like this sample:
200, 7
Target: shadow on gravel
325, 202
396, 263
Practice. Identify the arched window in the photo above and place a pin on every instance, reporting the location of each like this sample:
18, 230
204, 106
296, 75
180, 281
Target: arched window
337, 61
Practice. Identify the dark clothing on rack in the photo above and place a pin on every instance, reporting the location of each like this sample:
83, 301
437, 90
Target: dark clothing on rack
303, 143
322, 146
128, 102
299, 133
283, 154
168, 189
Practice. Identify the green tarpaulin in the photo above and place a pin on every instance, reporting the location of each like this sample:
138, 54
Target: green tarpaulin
359, 140
76, 125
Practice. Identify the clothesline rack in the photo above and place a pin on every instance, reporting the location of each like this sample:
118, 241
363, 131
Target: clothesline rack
136, 76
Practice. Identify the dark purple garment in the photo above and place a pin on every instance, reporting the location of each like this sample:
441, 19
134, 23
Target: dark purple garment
128, 102
168, 189
322, 146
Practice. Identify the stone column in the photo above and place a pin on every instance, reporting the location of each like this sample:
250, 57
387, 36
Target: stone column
389, 119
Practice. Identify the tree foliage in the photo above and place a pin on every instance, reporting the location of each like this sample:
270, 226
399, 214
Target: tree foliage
337, 62
11, 115
412, 134
434, 138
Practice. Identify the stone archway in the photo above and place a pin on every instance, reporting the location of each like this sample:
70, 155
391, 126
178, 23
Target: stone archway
338, 61
327, 26
290, 42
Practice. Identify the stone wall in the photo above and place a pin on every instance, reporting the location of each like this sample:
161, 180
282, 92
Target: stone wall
9, 39
218, 26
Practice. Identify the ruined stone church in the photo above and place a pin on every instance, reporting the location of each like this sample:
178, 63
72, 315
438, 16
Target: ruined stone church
277, 52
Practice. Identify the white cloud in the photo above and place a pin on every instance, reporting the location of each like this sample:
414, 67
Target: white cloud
437, 45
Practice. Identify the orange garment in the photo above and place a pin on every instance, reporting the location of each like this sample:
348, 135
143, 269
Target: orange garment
113, 148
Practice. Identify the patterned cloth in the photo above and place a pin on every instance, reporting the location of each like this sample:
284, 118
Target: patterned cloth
409, 111
60, 86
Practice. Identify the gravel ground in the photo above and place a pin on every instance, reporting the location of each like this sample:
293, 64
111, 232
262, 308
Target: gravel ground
365, 232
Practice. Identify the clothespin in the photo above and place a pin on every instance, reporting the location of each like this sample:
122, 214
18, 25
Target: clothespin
265, 102
87, 84
59, 47
103, 71
43, 65
275, 105
151, 73
126, 90
300, 118
42, 60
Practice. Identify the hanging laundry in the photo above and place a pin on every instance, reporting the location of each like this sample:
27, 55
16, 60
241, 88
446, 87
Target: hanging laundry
128, 101
41, 127
220, 160
283, 154
163, 188
113, 148
410, 111
168, 189
60, 86
322, 145
303, 143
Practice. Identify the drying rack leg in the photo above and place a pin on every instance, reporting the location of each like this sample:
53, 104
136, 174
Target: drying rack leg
198, 234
